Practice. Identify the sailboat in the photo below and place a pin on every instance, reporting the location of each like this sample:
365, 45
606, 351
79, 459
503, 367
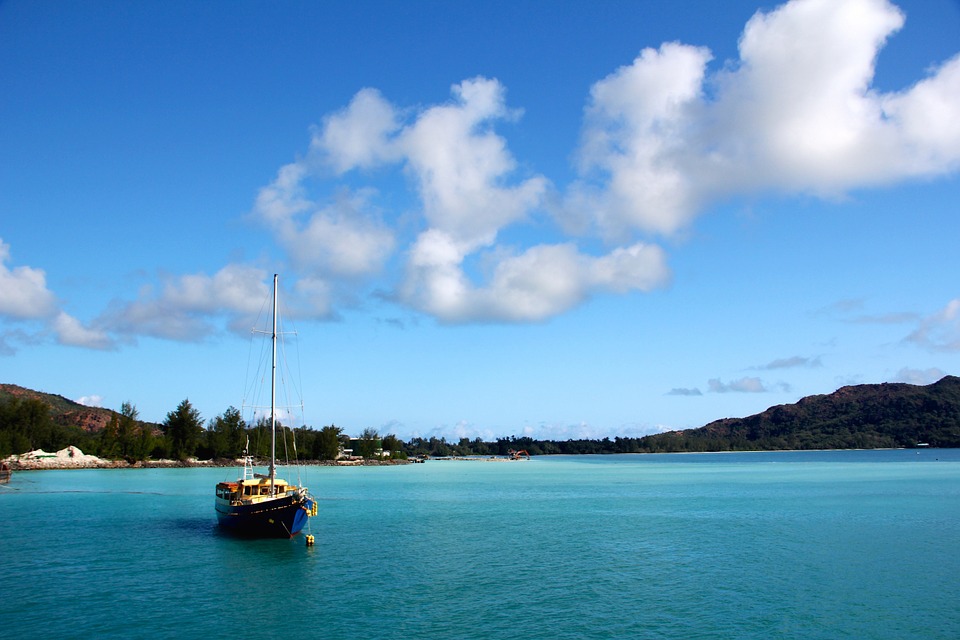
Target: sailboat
263, 505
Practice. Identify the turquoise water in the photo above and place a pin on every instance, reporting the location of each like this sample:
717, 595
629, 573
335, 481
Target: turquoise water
765, 545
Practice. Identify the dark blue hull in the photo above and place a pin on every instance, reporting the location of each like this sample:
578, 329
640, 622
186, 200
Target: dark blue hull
278, 518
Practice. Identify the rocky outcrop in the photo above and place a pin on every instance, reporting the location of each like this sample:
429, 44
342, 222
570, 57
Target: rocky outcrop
69, 458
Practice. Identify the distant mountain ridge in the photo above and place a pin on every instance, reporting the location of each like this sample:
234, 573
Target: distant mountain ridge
62, 410
866, 416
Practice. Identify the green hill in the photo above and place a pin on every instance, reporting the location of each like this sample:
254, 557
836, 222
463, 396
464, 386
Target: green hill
868, 416
63, 412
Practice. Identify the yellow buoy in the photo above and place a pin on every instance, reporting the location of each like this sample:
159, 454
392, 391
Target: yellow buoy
310, 540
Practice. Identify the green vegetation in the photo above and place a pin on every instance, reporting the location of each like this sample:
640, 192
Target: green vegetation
183, 428
857, 417
26, 424
125, 437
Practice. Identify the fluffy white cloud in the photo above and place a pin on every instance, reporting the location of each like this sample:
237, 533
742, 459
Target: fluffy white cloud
927, 122
461, 166
24, 296
71, 332
801, 99
344, 239
638, 128
340, 240
662, 139
463, 173
23, 290
796, 113
90, 401
234, 288
183, 308
539, 283
359, 136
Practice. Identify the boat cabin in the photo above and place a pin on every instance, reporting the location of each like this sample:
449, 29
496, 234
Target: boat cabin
249, 491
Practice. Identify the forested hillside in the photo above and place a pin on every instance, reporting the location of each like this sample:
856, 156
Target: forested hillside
867, 416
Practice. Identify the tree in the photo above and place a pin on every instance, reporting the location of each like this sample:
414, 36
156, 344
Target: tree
128, 432
394, 445
183, 427
108, 447
26, 425
145, 441
260, 438
226, 435
368, 443
327, 443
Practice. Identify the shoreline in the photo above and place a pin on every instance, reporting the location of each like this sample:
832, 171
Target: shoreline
189, 464
74, 458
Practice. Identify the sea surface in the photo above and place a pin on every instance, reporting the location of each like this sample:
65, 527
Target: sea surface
861, 544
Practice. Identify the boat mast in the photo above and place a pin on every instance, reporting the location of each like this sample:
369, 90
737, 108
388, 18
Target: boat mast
273, 395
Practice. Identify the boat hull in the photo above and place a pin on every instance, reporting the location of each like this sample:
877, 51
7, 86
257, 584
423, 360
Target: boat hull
282, 517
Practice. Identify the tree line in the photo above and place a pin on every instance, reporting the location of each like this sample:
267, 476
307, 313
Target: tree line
27, 424
887, 415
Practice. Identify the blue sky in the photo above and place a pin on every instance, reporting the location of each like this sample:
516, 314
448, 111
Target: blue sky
557, 219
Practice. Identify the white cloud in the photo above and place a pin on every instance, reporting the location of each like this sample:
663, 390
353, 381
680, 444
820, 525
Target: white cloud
185, 305
743, 385
23, 290
801, 100
24, 296
72, 333
461, 166
343, 239
927, 123
940, 331
796, 113
234, 288
539, 283
90, 401
359, 136
662, 139
919, 376
340, 240
462, 170
638, 125
285, 197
